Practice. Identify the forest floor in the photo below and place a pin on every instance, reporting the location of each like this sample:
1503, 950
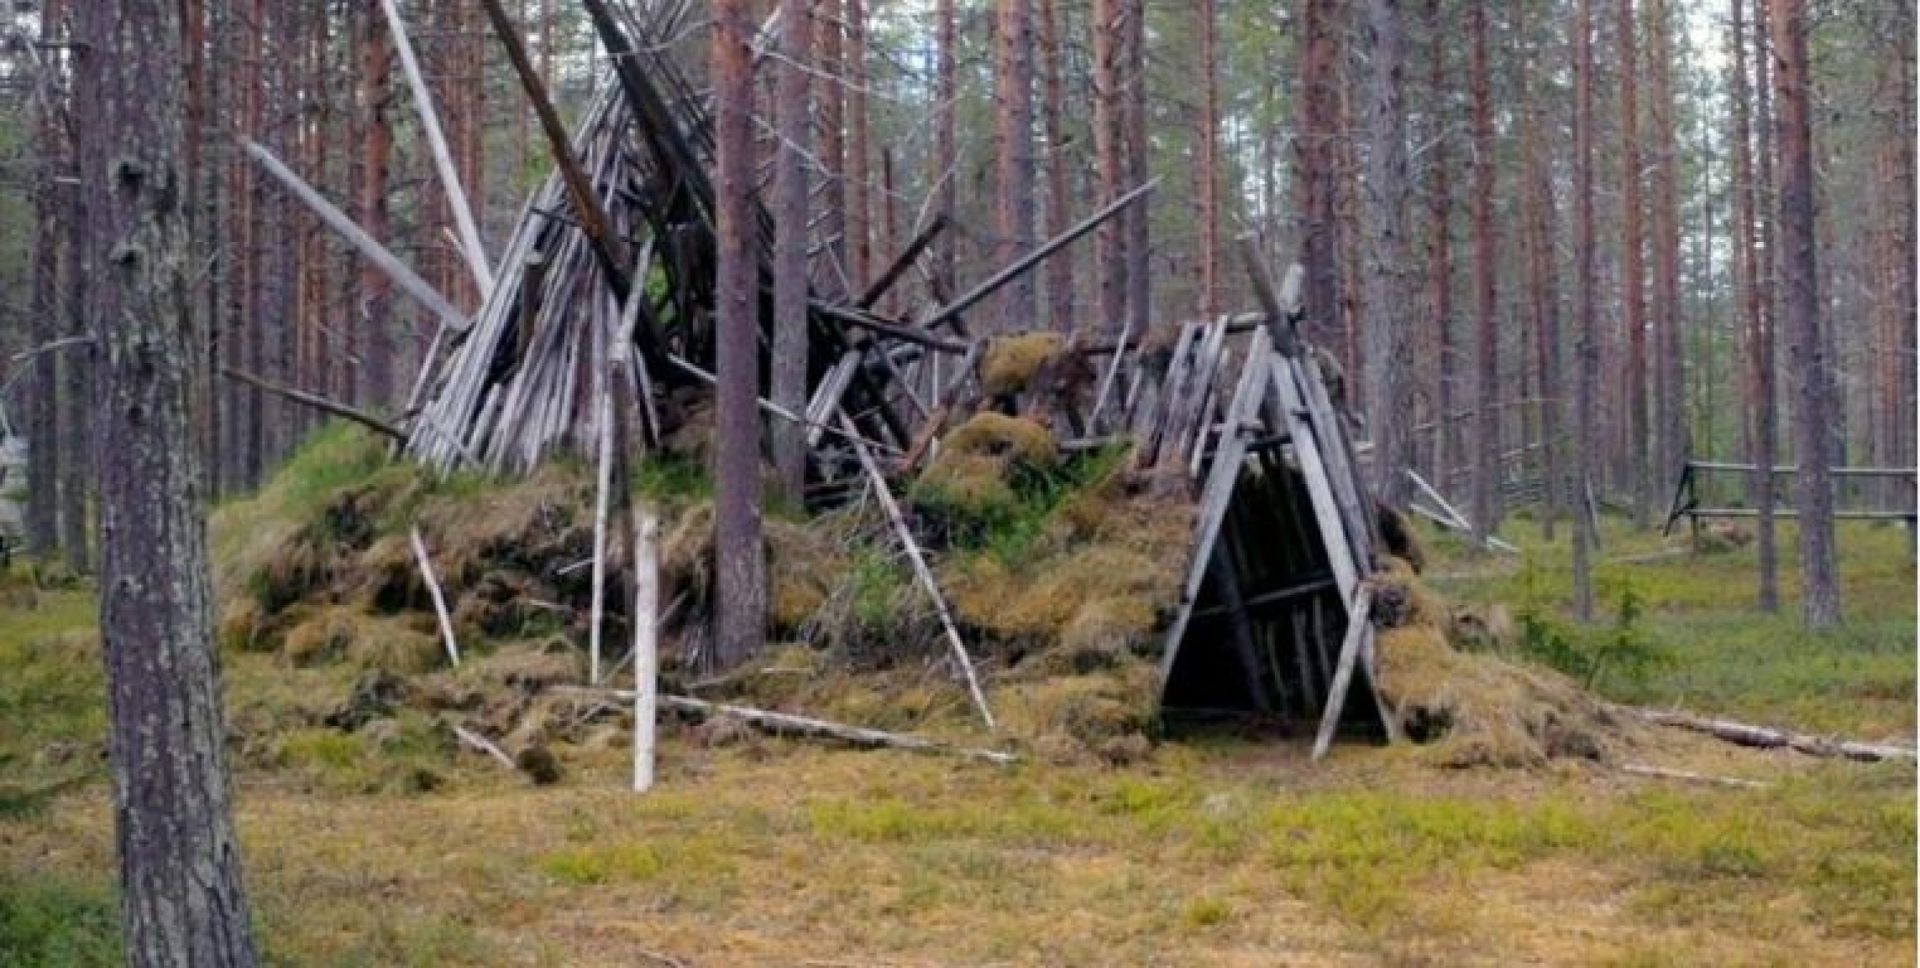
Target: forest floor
1216, 851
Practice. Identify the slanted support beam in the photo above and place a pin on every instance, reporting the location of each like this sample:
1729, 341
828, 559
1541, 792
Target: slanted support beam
469, 231
369, 247
608, 249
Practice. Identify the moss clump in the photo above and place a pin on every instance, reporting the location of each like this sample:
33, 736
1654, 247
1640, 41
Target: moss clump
1011, 362
1103, 717
1479, 710
1022, 442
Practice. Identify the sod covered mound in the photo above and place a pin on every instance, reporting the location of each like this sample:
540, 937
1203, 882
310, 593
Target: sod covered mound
1475, 708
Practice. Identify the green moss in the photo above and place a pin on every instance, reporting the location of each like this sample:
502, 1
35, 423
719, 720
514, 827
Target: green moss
49, 920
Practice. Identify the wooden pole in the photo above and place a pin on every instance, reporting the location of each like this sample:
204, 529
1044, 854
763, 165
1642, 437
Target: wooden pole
369, 248
1359, 626
439, 600
646, 642
316, 401
920, 568
470, 247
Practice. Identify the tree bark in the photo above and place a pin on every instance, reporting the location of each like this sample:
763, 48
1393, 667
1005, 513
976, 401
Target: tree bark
1670, 402
1208, 136
1313, 205
1440, 253
740, 592
859, 183
43, 415
1585, 353
1759, 337
1139, 168
833, 149
789, 367
1820, 591
1486, 438
1632, 265
182, 901
1013, 151
1108, 108
1388, 388
373, 317
1543, 286
1060, 301
945, 173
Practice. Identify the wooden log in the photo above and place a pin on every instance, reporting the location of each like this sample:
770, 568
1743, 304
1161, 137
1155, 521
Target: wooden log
920, 569
1689, 776
1359, 625
469, 232
789, 724
1764, 737
439, 599
868, 321
646, 642
317, 402
370, 249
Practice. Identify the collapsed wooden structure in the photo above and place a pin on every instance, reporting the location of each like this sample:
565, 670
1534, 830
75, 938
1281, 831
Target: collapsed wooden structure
608, 277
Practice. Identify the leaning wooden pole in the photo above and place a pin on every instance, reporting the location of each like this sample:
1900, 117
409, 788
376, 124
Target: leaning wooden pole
607, 247
369, 248
920, 568
464, 224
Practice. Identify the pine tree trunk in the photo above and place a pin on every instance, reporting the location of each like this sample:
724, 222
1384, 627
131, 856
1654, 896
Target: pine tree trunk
1820, 591
1585, 353
1759, 337
740, 591
945, 172
1208, 174
833, 147
1060, 299
375, 298
1139, 167
1543, 286
182, 902
1632, 266
1440, 254
1108, 109
1317, 235
789, 368
43, 415
859, 184
1670, 410
1388, 386
1013, 150
1486, 422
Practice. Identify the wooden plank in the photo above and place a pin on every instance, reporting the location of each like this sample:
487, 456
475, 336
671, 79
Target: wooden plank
1343, 473
1215, 497
1359, 626
370, 249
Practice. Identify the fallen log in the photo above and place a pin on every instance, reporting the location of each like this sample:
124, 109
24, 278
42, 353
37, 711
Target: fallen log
317, 402
1689, 776
787, 724
1763, 737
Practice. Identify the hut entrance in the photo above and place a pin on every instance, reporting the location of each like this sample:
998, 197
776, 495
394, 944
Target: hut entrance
1275, 618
